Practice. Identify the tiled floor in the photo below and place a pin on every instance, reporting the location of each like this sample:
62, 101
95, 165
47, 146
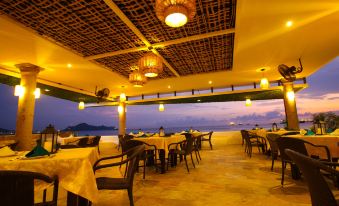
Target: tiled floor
225, 176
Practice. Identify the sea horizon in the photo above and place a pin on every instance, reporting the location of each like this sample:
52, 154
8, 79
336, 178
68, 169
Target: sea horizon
220, 128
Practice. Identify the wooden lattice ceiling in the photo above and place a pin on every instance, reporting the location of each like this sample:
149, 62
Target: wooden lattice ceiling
92, 27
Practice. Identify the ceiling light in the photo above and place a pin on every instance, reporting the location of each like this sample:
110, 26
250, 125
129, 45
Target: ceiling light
69, 66
137, 78
47, 90
37, 93
161, 107
19, 90
169, 86
289, 23
248, 102
151, 65
198, 100
209, 82
81, 105
175, 13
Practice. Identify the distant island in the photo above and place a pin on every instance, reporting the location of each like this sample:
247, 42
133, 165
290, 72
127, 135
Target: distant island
87, 127
6, 131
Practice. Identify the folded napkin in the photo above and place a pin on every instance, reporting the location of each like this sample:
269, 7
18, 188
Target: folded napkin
37, 151
335, 132
6, 151
303, 132
309, 132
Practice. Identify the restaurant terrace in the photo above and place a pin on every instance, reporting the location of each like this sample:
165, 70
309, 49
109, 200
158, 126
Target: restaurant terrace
118, 53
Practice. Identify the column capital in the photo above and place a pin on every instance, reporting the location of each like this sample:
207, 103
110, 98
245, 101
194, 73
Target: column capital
29, 68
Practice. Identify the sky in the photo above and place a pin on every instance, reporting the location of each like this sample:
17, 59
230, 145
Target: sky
322, 95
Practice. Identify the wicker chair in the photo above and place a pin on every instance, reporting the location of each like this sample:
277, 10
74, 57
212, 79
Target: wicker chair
272, 140
17, 188
253, 140
79, 143
209, 139
95, 143
320, 192
297, 145
148, 155
182, 148
132, 161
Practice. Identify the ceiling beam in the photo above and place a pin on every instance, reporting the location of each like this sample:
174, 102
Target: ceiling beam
137, 32
163, 44
193, 38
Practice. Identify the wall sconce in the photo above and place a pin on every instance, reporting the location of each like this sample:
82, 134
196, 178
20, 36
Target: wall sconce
248, 102
161, 107
19, 90
81, 105
37, 93
290, 95
120, 109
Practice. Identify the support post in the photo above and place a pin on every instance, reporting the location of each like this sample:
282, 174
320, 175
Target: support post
26, 104
290, 106
122, 118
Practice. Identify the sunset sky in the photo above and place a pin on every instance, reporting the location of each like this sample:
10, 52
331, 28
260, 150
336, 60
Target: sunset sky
322, 95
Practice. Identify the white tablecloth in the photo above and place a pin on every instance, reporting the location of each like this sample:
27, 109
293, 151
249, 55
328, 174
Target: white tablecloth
162, 142
332, 142
72, 166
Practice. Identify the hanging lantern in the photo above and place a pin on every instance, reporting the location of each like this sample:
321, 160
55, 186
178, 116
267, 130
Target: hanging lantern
122, 97
19, 90
175, 13
137, 78
248, 102
81, 105
161, 107
264, 83
37, 93
150, 65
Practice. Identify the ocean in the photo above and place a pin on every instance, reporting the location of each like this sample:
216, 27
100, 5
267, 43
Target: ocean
179, 129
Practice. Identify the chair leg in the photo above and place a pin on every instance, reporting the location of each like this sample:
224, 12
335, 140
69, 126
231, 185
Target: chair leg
196, 156
199, 154
44, 196
282, 172
186, 164
210, 144
130, 196
272, 161
144, 169
192, 160
98, 149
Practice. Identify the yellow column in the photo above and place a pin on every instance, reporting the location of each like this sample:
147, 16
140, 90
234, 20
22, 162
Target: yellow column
122, 118
26, 103
290, 106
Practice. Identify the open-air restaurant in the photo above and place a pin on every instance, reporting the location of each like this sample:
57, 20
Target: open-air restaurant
124, 54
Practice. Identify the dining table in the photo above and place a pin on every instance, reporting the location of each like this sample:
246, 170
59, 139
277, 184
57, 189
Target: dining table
4, 143
161, 143
331, 141
74, 168
72, 139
